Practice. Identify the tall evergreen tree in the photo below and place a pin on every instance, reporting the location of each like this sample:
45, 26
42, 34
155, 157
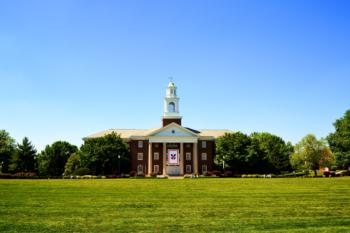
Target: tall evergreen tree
7, 149
24, 159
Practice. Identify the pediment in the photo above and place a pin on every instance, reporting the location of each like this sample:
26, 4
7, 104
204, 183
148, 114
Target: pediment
173, 130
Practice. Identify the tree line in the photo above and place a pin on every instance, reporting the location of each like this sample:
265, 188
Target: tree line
97, 156
259, 153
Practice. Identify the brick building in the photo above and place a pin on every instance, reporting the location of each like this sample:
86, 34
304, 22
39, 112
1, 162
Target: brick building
170, 150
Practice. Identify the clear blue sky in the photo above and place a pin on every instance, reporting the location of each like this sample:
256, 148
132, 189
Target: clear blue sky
72, 68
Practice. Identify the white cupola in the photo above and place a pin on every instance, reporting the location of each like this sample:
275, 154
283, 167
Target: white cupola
171, 102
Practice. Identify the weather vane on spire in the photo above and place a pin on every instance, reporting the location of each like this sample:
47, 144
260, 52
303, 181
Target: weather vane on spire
171, 79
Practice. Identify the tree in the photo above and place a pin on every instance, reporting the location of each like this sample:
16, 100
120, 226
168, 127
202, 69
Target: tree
24, 159
53, 159
310, 153
73, 163
104, 155
339, 141
7, 148
232, 151
274, 153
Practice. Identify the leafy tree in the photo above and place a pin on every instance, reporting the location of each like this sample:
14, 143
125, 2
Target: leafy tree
101, 154
339, 141
24, 159
273, 153
7, 149
73, 163
232, 151
53, 159
257, 153
310, 153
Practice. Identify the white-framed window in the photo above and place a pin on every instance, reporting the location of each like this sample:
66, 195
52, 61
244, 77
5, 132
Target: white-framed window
188, 169
139, 169
156, 156
204, 156
188, 156
140, 144
139, 156
156, 169
204, 168
204, 144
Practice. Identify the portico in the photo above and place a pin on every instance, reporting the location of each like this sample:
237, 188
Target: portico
169, 169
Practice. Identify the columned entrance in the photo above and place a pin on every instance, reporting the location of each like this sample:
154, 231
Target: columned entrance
177, 147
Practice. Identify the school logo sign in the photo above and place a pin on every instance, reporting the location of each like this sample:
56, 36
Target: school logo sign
173, 157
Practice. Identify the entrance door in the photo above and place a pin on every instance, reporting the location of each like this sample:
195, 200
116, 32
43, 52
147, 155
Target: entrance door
173, 170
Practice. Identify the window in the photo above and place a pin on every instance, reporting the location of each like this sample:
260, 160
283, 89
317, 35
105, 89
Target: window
139, 169
188, 145
140, 144
188, 156
204, 144
204, 169
204, 156
156, 145
139, 156
188, 168
171, 107
156, 169
156, 156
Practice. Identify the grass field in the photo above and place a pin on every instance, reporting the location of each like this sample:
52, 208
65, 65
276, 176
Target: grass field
190, 205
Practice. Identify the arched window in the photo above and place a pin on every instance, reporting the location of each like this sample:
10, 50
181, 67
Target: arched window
171, 107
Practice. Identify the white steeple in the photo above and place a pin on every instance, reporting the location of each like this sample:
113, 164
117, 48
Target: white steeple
171, 102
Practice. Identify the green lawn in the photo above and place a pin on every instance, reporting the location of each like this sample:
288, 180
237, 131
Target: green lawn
190, 205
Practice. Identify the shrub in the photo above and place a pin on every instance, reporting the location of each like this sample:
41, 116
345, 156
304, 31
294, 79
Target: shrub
217, 173
132, 173
228, 174
208, 174
140, 175
6, 176
82, 171
25, 174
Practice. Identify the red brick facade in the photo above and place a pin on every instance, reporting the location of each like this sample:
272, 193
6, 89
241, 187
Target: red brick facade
188, 155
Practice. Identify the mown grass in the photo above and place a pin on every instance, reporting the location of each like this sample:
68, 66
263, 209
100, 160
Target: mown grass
190, 205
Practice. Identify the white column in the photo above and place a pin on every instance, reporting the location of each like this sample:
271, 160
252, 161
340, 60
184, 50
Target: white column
181, 159
164, 158
150, 157
195, 158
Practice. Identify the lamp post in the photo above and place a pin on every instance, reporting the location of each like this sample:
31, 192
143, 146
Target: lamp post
119, 164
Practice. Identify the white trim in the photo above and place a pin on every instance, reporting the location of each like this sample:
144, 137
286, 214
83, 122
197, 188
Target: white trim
173, 139
173, 124
188, 156
204, 170
204, 154
156, 157
188, 170
154, 168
